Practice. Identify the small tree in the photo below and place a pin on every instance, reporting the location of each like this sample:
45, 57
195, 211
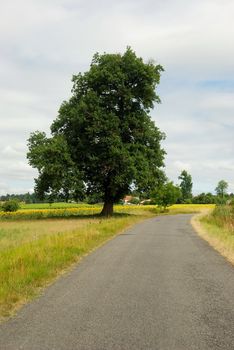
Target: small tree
11, 205
167, 195
221, 189
186, 185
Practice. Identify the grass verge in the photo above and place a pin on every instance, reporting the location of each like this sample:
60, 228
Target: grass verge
33, 253
217, 228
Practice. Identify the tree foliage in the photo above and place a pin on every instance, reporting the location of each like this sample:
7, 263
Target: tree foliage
59, 177
186, 185
167, 195
221, 189
103, 140
24, 197
204, 198
11, 205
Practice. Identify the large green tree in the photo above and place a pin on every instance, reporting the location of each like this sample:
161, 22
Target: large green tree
104, 134
186, 185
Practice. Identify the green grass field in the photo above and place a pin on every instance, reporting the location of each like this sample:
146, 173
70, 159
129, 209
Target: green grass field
34, 249
58, 205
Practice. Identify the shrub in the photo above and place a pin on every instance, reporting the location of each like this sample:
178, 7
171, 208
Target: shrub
167, 195
188, 201
149, 202
11, 205
134, 200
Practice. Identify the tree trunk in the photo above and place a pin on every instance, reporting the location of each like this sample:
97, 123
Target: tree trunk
107, 209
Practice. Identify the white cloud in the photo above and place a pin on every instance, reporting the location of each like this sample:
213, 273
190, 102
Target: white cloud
43, 43
182, 165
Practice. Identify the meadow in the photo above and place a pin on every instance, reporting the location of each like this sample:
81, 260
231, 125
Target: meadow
38, 243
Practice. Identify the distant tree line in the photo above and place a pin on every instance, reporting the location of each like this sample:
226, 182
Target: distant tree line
186, 185
29, 198
169, 193
25, 197
166, 194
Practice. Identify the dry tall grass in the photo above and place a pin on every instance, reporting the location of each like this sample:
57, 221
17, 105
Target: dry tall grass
217, 228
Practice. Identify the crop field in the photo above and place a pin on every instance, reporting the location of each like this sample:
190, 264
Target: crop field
35, 211
38, 244
63, 205
58, 205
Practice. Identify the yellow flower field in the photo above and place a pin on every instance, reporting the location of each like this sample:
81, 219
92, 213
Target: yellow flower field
92, 210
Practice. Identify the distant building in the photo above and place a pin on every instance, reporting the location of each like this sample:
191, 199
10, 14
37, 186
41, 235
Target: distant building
127, 199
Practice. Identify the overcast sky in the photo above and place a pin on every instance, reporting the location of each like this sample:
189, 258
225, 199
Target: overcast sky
44, 42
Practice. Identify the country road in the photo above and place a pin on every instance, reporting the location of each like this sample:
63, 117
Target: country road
158, 286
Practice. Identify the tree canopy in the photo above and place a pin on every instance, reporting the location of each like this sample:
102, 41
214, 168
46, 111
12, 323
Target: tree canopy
103, 139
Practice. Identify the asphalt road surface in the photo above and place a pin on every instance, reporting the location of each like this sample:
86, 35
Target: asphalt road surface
158, 286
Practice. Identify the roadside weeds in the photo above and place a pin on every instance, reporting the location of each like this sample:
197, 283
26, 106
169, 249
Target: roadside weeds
214, 235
